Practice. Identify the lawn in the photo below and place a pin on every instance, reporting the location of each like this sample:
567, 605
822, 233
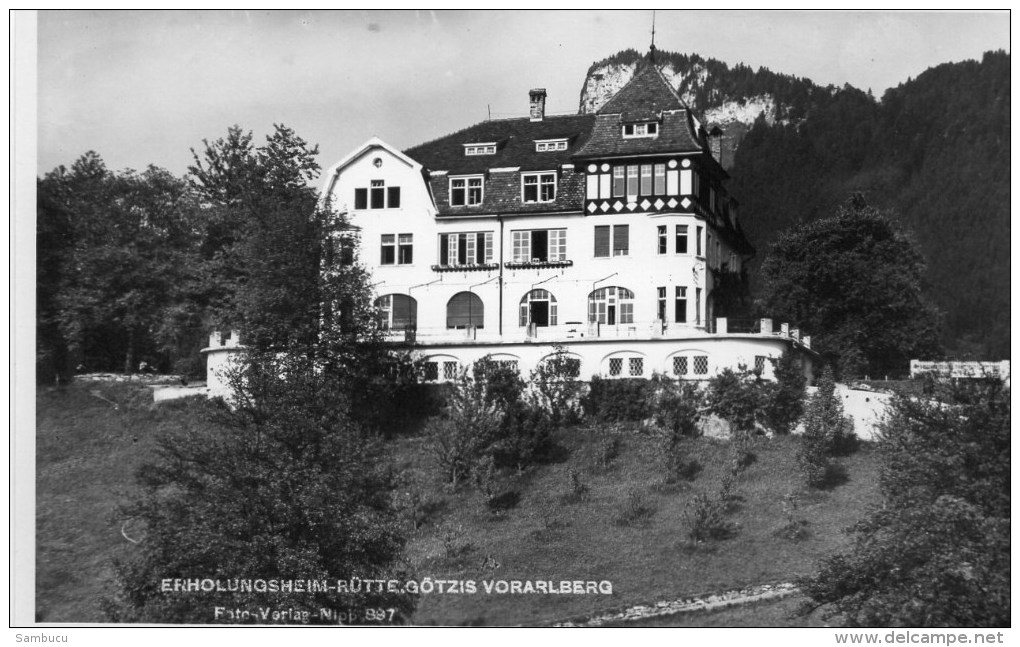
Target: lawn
88, 453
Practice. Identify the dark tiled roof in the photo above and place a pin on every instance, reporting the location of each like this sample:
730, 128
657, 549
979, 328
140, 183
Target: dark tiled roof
516, 148
516, 145
676, 134
503, 195
644, 97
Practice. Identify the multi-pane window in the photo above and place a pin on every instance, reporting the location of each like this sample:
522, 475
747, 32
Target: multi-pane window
397, 249
405, 249
759, 364
680, 305
449, 370
612, 241
680, 365
615, 365
661, 233
538, 307
637, 366
646, 179
545, 146
641, 130
377, 196
465, 191
431, 371
661, 311
660, 179
539, 245
474, 248
611, 305
480, 149
510, 364
618, 181
632, 181
681, 239
538, 187
701, 365
397, 312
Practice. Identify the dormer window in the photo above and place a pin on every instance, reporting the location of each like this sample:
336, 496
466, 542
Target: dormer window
547, 145
538, 187
650, 129
466, 191
481, 148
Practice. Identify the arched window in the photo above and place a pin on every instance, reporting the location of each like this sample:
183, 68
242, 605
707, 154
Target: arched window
611, 305
538, 307
397, 312
465, 309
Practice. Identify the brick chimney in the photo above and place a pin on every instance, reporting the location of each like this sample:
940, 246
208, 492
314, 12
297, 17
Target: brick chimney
715, 143
537, 102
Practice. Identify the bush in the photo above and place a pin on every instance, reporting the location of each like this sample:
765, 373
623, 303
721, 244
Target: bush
558, 388
786, 402
706, 519
675, 406
607, 444
578, 488
826, 433
678, 464
615, 400
524, 435
740, 398
465, 431
636, 508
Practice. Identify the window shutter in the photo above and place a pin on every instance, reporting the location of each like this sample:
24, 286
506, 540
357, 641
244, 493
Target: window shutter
602, 240
464, 309
621, 239
444, 249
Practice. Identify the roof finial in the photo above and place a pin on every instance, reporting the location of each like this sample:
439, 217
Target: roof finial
651, 50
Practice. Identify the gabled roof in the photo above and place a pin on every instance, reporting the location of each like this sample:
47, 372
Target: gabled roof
372, 144
515, 145
645, 96
676, 135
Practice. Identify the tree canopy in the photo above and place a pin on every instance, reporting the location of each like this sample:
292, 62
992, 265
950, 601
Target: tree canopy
854, 282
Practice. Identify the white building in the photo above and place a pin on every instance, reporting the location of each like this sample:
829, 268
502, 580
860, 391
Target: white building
608, 233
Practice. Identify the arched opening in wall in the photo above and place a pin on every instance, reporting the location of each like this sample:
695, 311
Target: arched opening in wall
440, 368
565, 365
624, 364
465, 309
611, 305
689, 365
397, 312
506, 360
538, 307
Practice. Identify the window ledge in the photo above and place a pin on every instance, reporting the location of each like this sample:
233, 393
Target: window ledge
537, 264
466, 268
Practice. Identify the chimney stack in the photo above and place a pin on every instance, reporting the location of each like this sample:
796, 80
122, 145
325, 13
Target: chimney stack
537, 102
715, 143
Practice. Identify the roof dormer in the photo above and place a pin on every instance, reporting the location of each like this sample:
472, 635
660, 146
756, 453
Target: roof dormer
480, 148
640, 129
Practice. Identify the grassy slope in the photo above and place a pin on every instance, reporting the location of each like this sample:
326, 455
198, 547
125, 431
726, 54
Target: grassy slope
646, 562
88, 454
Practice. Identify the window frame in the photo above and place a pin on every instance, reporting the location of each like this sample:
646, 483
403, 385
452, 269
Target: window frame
467, 190
612, 240
640, 129
542, 180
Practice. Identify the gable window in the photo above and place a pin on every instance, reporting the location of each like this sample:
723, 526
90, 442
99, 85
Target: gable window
544, 146
538, 187
397, 249
641, 130
473, 248
377, 196
465, 191
539, 246
483, 148
613, 240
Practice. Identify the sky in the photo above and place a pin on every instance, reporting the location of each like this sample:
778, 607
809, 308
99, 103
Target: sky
145, 88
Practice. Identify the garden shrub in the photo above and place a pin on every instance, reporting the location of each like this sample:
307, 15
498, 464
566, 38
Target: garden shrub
607, 443
616, 400
786, 402
706, 519
468, 427
636, 508
524, 434
675, 406
740, 398
827, 433
556, 382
